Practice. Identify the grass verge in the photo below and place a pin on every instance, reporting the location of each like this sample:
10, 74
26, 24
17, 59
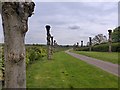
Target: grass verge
65, 71
105, 56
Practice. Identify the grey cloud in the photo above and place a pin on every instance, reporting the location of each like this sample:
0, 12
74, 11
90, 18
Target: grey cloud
74, 27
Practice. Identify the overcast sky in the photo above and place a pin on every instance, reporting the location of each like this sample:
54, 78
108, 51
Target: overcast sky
71, 22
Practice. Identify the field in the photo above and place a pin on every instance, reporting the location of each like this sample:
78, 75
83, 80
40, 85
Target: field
105, 56
65, 71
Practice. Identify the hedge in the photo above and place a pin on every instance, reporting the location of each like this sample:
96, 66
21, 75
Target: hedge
102, 48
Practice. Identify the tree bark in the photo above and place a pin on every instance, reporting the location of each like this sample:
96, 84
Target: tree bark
48, 42
15, 25
90, 44
51, 46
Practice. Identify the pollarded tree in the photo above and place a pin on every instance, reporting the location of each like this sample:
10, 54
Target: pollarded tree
15, 25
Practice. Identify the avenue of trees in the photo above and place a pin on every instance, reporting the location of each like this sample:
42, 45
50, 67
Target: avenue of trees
100, 38
15, 26
101, 43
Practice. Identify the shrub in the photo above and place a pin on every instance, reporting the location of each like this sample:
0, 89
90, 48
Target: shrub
34, 53
2, 68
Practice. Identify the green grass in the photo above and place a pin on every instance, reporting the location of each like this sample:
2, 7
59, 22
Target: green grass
0, 62
65, 71
105, 56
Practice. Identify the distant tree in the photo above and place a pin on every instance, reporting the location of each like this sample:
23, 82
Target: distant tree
116, 35
98, 39
67, 46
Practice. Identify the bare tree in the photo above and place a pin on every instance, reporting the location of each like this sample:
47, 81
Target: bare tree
98, 39
15, 25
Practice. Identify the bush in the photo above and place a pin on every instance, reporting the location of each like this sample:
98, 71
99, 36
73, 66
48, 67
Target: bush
2, 68
34, 53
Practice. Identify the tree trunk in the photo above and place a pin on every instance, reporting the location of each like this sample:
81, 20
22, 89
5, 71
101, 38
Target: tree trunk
51, 46
49, 52
15, 18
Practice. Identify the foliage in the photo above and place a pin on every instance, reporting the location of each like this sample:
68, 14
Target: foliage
65, 71
116, 35
85, 48
102, 48
2, 63
34, 53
